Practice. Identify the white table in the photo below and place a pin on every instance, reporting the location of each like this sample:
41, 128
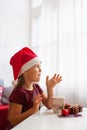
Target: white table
46, 120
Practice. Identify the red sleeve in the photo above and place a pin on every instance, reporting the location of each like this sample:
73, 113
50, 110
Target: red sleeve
17, 96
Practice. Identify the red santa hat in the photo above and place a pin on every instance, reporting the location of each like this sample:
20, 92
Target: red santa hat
22, 61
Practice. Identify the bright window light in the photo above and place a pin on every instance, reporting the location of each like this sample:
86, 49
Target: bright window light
36, 3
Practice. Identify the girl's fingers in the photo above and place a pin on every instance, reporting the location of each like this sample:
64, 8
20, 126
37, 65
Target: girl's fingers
38, 98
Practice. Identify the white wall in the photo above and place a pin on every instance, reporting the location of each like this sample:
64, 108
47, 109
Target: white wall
14, 33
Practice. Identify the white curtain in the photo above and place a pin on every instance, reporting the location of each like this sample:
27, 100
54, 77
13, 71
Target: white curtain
64, 46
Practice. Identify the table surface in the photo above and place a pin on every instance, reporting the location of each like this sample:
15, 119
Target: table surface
46, 120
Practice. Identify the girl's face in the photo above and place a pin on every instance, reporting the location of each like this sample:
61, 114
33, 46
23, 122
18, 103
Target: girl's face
34, 73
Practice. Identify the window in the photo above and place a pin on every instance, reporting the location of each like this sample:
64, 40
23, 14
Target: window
36, 25
44, 47
36, 3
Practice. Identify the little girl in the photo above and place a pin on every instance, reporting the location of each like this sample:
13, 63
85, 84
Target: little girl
27, 95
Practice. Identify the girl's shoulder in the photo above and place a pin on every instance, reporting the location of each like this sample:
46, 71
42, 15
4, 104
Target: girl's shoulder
37, 88
18, 95
18, 91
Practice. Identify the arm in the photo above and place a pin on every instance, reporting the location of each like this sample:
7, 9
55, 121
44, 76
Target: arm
50, 83
16, 111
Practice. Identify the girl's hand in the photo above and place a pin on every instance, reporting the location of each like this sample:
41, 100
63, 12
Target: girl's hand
37, 102
50, 83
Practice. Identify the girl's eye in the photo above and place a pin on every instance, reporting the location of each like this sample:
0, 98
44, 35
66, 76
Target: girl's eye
38, 66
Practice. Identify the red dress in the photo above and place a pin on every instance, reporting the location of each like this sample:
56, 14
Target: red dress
24, 97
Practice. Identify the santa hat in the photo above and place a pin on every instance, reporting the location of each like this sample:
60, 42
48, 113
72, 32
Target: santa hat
22, 61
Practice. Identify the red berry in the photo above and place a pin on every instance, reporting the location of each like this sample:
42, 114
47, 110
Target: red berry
65, 112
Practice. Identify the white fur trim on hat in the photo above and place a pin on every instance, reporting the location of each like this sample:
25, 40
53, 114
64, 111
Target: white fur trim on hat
28, 65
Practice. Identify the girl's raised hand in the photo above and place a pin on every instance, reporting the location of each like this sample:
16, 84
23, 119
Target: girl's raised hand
50, 83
